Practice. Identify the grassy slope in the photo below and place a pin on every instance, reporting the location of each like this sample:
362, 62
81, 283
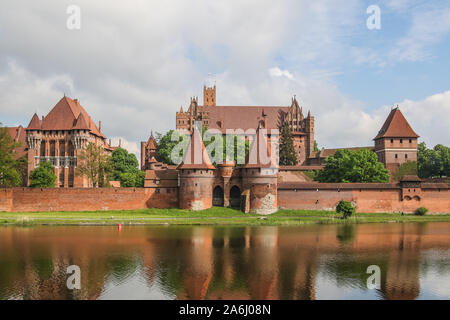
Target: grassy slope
211, 216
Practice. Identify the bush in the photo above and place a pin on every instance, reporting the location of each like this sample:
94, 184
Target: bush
346, 208
43, 176
421, 211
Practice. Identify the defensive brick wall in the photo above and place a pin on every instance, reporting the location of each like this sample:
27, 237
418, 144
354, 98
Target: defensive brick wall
368, 197
73, 199
371, 197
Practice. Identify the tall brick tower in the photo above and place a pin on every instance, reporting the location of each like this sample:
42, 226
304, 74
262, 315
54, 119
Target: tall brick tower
396, 142
196, 174
209, 96
309, 129
148, 151
259, 177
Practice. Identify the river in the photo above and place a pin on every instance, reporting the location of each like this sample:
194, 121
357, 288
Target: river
210, 262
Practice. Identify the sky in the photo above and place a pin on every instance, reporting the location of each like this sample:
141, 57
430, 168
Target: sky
132, 64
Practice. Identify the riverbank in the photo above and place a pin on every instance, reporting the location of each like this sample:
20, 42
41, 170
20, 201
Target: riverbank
213, 216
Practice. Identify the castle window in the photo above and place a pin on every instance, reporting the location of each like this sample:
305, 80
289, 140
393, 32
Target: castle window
61, 179
410, 140
406, 156
401, 140
392, 140
158, 191
396, 156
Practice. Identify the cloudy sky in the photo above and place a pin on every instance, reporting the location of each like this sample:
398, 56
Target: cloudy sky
133, 64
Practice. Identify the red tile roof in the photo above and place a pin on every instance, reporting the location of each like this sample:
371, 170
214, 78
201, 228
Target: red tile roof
195, 149
396, 126
243, 117
151, 143
64, 116
81, 123
19, 135
35, 123
325, 153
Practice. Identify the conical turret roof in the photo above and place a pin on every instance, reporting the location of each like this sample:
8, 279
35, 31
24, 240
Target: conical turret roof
260, 153
196, 156
35, 123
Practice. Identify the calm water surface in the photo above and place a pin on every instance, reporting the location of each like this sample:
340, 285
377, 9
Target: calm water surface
310, 262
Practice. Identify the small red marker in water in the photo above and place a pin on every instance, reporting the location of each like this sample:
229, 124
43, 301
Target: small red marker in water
119, 226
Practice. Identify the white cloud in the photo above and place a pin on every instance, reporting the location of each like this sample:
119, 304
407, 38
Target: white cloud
429, 117
277, 72
132, 66
428, 28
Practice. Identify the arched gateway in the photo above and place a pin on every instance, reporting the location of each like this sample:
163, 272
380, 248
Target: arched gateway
218, 200
235, 197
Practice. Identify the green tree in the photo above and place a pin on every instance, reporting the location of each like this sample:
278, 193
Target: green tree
94, 164
125, 168
165, 146
11, 170
233, 149
433, 162
424, 161
353, 166
316, 146
408, 168
287, 151
43, 176
346, 208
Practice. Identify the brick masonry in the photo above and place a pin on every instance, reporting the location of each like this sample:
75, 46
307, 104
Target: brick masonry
368, 198
377, 197
73, 199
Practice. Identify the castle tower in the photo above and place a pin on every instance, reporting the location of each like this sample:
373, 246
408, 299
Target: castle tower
196, 174
259, 177
309, 129
33, 138
396, 142
209, 96
148, 151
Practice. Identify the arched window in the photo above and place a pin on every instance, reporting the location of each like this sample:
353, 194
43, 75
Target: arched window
218, 197
235, 197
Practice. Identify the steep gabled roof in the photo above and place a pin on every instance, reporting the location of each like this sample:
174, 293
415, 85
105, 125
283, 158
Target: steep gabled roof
151, 143
196, 156
19, 135
396, 126
64, 116
35, 123
81, 123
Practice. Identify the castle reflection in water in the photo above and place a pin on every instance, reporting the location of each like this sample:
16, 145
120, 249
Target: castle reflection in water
221, 262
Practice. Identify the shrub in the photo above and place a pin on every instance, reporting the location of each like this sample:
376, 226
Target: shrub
43, 176
346, 208
421, 211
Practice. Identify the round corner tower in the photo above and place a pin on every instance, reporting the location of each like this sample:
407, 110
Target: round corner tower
259, 178
196, 174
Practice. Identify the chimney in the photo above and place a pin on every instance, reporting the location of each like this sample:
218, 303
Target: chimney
100, 126
265, 120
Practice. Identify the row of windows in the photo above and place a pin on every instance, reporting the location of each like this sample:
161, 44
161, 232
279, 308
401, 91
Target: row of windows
379, 142
401, 140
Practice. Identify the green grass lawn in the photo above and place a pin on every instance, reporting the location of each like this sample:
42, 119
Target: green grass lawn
213, 216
